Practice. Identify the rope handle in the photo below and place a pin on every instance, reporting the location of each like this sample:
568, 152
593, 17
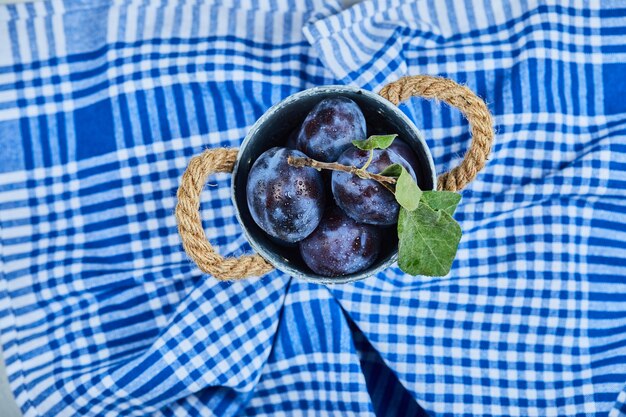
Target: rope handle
189, 222
212, 161
473, 108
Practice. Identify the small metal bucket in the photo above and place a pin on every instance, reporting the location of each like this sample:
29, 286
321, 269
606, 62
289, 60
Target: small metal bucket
273, 128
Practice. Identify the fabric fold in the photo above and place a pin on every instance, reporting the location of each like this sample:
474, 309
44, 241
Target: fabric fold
487, 334
219, 336
101, 313
314, 366
98, 302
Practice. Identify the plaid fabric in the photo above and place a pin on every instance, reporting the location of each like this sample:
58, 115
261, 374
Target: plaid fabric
101, 313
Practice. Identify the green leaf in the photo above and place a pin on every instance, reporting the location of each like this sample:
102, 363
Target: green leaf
407, 192
393, 170
441, 200
374, 142
428, 241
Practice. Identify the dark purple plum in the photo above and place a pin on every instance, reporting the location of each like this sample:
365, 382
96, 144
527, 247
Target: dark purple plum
367, 201
405, 151
339, 245
286, 202
330, 128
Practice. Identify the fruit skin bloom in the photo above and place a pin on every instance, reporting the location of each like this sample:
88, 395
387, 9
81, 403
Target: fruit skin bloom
330, 128
404, 151
367, 201
340, 246
286, 202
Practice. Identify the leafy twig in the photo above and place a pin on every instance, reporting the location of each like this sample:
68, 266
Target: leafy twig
369, 160
428, 235
333, 166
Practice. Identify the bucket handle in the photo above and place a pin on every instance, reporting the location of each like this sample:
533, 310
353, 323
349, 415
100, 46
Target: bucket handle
211, 161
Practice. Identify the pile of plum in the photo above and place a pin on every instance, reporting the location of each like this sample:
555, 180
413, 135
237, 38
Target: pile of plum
337, 220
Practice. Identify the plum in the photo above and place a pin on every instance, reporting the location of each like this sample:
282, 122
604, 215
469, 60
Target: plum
339, 245
405, 151
330, 127
367, 201
285, 201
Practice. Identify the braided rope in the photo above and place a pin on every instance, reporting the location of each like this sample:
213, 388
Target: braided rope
472, 107
190, 224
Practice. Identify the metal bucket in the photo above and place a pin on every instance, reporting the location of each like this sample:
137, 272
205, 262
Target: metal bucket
273, 128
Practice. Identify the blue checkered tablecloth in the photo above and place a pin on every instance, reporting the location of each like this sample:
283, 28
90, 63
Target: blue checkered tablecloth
102, 104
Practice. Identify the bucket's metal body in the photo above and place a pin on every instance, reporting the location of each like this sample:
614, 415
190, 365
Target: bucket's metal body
273, 129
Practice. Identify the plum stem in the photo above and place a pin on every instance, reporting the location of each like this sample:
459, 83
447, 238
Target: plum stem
369, 160
333, 166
